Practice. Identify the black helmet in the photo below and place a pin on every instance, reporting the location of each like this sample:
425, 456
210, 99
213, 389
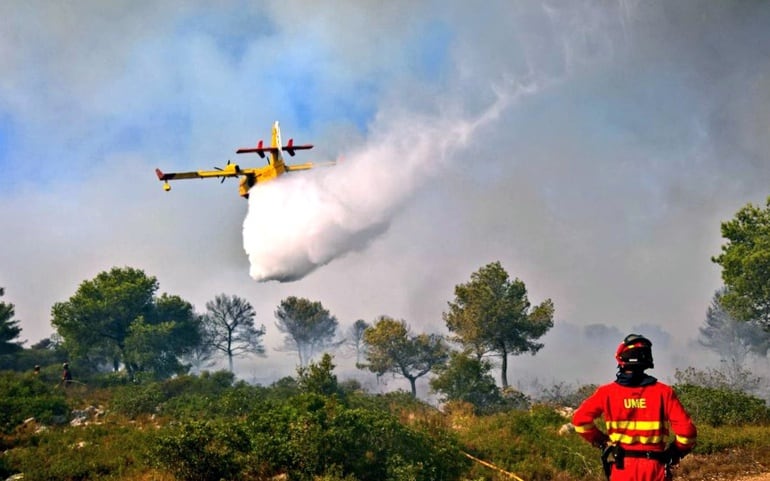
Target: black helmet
635, 352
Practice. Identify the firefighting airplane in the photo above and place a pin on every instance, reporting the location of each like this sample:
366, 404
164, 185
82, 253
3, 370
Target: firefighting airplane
250, 175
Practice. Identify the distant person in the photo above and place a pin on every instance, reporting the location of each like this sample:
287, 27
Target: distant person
66, 375
637, 411
36, 370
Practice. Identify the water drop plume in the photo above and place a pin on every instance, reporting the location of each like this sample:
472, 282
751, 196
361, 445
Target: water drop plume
304, 220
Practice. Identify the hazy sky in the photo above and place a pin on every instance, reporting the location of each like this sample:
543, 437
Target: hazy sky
592, 147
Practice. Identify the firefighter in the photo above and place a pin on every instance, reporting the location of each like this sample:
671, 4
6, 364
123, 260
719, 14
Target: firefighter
637, 411
66, 375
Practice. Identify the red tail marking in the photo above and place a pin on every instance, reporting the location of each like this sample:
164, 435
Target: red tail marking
259, 149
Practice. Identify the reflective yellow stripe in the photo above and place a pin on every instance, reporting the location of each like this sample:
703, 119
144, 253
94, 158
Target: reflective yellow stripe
634, 425
584, 428
684, 440
626, 439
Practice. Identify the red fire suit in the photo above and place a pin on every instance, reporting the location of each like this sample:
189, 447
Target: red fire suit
636, 418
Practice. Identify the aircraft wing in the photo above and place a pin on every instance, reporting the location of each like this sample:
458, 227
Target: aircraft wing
175, 175
230, 170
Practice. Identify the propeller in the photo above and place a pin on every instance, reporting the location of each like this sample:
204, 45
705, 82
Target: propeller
219, 168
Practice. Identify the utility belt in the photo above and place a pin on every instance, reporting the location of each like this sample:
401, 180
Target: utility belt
616, 455
660, 456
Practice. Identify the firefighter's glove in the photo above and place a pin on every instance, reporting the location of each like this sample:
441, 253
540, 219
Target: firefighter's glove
673, 454
602, 443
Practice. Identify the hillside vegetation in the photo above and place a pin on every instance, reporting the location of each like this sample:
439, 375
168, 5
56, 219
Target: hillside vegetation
312, 427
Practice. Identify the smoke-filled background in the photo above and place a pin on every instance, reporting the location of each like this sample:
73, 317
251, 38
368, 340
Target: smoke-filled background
592, 147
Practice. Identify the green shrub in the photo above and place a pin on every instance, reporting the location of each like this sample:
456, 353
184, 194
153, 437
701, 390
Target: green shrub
189, 407
234, 401
134, 400
314, 434
722, 406
6, 470
207, 383
307, 436
25, 396
240, 400
185, 397
201, 450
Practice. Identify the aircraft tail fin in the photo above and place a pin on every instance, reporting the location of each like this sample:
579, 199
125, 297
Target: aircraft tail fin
276, 159
275, 148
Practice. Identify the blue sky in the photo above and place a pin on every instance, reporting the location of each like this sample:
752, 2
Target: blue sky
605, 143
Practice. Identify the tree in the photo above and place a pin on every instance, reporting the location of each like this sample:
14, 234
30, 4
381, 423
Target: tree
156, 345
95, 321
99, 320
390, 347
308, 326
229, 325
200, 356
734, 378
491, 314
466, 378
319, 378
745, 262
731, 339
9, 331
355, 338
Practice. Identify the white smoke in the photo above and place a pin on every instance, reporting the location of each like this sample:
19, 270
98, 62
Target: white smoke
304, 220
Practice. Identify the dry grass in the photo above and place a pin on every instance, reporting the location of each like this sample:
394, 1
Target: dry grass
732, 464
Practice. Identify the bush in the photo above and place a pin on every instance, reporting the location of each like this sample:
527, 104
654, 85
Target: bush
25, 396
202, 450
307, 436
210, 384
234, 401
722, 406
134, 400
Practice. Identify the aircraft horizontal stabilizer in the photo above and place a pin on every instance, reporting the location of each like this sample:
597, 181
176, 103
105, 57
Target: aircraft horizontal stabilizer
261, 150
290, 147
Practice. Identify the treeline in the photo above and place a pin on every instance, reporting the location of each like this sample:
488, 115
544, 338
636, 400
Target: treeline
117, 324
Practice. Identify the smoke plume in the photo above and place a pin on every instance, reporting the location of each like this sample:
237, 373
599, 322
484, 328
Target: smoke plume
305, 220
